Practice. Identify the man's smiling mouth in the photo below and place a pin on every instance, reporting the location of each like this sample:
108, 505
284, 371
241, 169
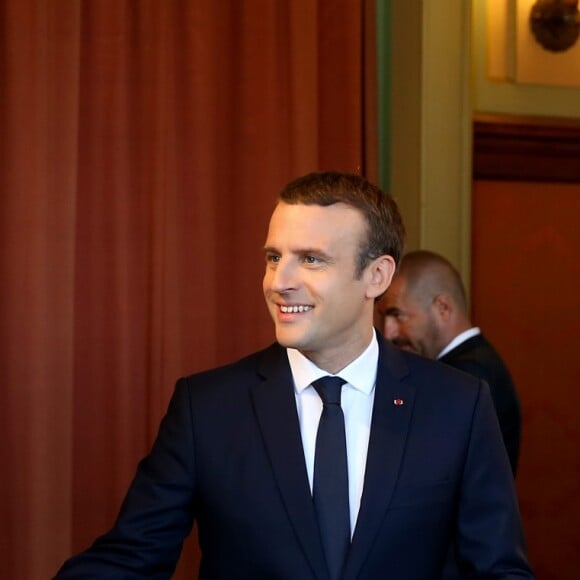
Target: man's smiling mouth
295, 308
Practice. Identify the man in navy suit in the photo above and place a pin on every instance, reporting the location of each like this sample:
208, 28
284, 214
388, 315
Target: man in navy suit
237, 449
425, 311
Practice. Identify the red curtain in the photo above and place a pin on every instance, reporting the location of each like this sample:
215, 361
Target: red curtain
142, 145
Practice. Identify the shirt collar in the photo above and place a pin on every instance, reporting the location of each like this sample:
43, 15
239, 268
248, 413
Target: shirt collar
459, 339
360, 373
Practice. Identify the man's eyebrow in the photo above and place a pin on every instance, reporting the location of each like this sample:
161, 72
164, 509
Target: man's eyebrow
391, 310
313, 251
302, 252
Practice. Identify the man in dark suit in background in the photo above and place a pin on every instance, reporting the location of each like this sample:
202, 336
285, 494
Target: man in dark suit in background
425, 311
330, 454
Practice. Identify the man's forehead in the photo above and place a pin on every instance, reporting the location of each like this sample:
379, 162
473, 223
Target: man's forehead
397, 294
317, 222
396, 289
314, 208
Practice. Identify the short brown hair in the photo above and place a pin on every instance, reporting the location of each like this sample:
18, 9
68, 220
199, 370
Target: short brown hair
386, 232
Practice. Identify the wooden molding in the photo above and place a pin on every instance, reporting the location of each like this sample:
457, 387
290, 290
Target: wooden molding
526, 148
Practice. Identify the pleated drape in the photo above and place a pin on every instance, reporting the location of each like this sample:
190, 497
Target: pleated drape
142, 145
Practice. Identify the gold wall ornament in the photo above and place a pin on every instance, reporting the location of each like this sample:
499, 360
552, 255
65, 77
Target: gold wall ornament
555, 24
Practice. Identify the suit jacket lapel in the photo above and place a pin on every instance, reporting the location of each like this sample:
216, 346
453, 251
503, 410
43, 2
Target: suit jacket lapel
392, 410
275, 408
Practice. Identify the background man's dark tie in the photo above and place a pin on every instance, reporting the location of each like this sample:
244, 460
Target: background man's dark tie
330, 487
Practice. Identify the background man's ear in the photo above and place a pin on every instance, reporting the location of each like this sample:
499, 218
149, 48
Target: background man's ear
443, 306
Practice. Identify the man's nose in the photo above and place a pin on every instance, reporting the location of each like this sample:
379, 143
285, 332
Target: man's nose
284, 276
390, 328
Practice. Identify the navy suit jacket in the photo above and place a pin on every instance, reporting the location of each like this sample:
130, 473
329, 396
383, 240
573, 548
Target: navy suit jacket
229, 456
477, 357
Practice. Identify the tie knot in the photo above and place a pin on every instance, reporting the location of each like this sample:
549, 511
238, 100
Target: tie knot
329, 388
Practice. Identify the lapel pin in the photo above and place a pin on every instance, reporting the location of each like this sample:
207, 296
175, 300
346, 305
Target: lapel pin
398, 402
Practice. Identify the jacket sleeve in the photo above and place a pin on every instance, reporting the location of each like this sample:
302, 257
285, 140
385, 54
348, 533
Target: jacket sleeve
505, 401
157, 513
490, 541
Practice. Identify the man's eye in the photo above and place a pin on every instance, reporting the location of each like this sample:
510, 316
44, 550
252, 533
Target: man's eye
311, 260
272, 258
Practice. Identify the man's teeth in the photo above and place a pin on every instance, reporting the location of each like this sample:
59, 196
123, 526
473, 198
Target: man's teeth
293, 309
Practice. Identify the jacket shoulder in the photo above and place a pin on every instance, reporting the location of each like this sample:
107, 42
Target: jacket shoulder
243, 372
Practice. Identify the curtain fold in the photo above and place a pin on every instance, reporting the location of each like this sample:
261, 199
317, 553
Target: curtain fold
142, 145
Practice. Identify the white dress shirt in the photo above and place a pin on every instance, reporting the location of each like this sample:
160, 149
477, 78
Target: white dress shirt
460, 338
357, 405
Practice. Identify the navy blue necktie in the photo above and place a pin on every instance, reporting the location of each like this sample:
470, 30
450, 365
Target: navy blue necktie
330, 486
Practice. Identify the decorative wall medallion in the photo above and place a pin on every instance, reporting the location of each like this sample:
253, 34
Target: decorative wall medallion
555, 24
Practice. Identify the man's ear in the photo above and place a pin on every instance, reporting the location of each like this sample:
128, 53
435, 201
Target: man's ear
442, 307
380, 274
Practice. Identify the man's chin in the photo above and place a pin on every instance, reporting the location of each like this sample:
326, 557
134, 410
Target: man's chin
288, 339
